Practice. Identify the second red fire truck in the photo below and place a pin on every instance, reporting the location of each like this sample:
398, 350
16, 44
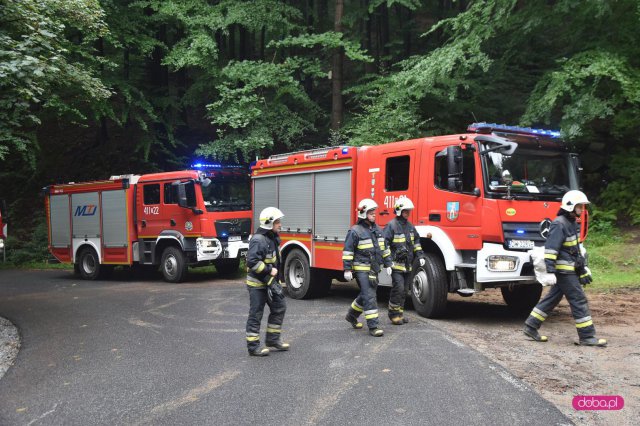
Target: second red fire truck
171, 220
482, 200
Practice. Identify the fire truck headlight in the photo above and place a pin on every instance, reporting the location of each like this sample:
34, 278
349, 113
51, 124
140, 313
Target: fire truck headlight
502, 263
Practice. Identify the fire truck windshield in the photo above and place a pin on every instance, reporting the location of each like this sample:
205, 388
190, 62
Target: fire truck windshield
227, 194
540, 174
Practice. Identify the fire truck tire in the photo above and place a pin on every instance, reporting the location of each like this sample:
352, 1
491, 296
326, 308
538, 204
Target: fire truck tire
302, 282
522, 298
429, 287
173, 265
88, 264
227, 266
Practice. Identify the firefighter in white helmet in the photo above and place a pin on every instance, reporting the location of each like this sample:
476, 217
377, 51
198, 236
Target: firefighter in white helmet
404, 242
364, 252
263, 265
564, 259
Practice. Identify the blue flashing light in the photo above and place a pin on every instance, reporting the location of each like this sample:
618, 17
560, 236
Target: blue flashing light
224, 235
345, 150
514, 129
520, 231
200, 165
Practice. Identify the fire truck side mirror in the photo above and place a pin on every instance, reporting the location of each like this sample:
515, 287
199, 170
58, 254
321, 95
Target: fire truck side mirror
454, 166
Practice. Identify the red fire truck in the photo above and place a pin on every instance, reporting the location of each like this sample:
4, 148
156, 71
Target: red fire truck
173, 219
483, 199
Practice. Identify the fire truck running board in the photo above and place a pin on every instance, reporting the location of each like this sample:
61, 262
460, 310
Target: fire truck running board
466, 265
464, 289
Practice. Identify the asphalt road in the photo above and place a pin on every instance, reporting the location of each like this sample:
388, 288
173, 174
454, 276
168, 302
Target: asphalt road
146, 352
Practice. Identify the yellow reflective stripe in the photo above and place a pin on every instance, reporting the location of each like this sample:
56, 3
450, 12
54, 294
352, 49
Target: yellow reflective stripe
417, 247
270, 260
273, 330
537, 316
253, 338
584, 275
565, 267
347, 257
400, 240
361, 267
570, 243
551, 256
386, 253
398, 268
252, 284
365, 246
260, 267
371, 316
356, 307
584, 324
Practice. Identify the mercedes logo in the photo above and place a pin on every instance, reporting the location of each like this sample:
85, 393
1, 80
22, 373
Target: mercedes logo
544, 228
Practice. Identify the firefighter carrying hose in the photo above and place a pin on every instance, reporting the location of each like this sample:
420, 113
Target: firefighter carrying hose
263, 264
404, 242
566, 265
364, 252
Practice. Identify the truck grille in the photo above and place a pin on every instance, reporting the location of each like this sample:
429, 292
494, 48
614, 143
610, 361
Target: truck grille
228, 227
523, 231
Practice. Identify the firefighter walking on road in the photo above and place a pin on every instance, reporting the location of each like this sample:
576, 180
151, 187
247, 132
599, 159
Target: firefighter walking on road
404, 242
566, 265
263, 264
364, 252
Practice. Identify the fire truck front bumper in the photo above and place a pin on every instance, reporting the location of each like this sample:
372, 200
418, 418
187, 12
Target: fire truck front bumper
208, 249
235, 249
495, 264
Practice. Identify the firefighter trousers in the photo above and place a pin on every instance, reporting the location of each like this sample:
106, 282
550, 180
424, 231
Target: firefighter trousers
567, 285
277, 307
398, 293
366, 301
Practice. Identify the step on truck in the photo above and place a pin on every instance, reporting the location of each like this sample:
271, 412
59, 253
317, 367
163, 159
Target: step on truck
482, 200
169, 220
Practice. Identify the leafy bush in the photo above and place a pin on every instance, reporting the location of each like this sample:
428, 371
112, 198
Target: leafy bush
621, 195
29, 247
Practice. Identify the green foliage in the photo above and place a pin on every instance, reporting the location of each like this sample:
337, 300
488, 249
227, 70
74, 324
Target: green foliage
38, 64
259, 104
31, 247
328, 41
621, 195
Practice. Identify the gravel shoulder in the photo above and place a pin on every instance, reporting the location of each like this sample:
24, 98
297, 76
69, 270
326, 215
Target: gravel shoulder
9, 345
559, 370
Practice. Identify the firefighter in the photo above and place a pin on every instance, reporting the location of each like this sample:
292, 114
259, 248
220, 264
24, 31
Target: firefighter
364, 252
404, 242
263, 265
566, 265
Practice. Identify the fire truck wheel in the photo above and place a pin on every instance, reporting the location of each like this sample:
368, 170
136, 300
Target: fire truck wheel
173, 265
227, 266
88, 264
522, 298
302, 283
429, 287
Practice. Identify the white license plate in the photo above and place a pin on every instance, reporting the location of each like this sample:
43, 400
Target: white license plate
235, 238
520, 244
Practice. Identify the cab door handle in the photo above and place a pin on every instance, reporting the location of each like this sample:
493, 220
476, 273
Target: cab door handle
384, 212
144, 223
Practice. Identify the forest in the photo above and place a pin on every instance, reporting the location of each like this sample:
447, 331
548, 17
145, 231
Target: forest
94, 88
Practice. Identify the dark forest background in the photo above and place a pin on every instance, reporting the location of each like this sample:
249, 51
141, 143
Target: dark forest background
92, 88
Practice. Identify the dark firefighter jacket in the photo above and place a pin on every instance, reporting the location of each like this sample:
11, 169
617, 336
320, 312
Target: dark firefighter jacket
263, 255
404, 242
562, 249
365, 249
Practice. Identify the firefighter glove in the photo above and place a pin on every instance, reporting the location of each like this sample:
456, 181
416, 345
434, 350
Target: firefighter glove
388, 269
585, 277
422, 261
274, 272
546, 279
348, 275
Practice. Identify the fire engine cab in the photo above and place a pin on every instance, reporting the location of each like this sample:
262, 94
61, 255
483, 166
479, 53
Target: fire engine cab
482, 200
173, 219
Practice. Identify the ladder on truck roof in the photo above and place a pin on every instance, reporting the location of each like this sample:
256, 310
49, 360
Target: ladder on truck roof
309, 154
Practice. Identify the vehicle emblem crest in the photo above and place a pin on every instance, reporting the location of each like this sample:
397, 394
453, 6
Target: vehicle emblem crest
544, 228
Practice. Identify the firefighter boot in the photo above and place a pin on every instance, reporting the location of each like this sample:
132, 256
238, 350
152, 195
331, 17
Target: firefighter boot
278, 345
533, 333
353, 321
397, 321
376, 332
261, 351
592, 341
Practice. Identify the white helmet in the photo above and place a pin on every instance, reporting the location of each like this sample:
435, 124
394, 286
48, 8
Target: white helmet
364, 206
402, 203
268, 216
572, 198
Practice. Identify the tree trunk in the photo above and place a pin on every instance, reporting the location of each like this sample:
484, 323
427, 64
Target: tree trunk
336, 73
369, 67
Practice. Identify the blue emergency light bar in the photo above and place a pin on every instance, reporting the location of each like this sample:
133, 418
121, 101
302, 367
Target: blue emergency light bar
216, 166
513, 129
